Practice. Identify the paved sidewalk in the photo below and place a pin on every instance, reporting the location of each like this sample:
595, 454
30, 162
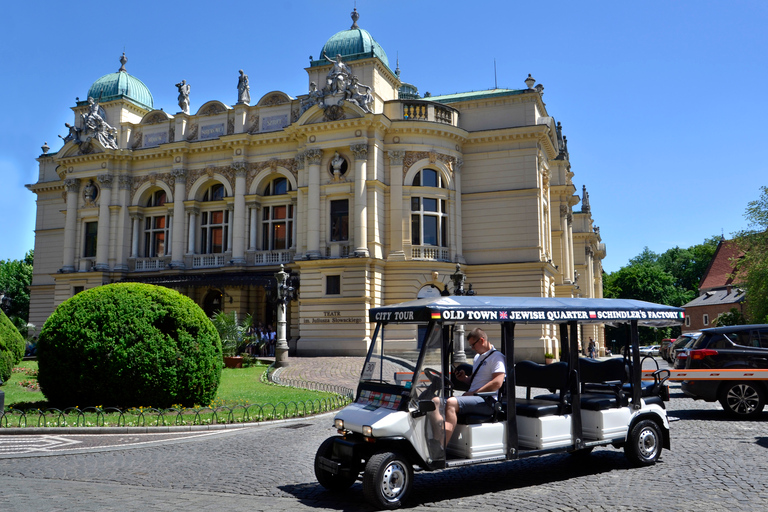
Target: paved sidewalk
335, 371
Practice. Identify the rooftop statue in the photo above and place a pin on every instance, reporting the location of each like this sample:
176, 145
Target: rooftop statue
243, 89
94, 126
183, 88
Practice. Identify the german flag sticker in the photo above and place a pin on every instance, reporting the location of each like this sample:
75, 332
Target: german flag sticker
436, 315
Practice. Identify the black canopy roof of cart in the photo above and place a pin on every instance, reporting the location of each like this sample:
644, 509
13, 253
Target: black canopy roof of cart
540, 310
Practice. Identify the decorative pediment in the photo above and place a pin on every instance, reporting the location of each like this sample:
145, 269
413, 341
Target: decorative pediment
154, 117
274, 98
212, 108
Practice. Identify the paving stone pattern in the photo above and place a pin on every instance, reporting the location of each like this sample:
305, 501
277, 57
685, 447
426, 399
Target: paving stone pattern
716, 464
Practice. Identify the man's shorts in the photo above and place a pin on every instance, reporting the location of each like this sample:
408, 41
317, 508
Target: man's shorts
474, 405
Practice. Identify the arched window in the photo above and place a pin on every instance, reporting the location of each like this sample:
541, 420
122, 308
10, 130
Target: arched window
156, 199
277, 187
429, 214
214, 221
277, 217
155, 225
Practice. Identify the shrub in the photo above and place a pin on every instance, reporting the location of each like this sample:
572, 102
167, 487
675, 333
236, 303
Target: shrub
11, 347
128, 344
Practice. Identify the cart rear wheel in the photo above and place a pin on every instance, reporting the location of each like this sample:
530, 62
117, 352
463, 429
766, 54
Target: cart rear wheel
333, 482
643, 447
387, 480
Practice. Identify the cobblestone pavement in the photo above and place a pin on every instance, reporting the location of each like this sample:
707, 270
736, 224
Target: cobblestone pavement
715, 464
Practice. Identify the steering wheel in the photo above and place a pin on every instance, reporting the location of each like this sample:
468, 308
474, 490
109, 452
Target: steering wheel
436, 379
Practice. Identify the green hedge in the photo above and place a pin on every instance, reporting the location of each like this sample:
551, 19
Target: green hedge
129, 344
12, 347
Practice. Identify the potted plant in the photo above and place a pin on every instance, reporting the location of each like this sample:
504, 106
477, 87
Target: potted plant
234, 336
549, 358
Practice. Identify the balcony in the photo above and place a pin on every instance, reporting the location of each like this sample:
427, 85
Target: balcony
430, 253
272, 257
208, 260
421, 110
146, 264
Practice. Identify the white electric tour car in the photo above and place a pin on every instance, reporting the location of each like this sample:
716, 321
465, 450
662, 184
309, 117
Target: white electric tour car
394, 425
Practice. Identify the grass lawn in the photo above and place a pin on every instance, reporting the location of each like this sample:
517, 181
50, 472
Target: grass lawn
242, 396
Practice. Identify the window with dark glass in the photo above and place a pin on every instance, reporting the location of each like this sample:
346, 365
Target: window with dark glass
156, 199
154, 236
339, 220
89, 247
214, 223
333, 285
277, 227
277, 187
428, 214
214, 229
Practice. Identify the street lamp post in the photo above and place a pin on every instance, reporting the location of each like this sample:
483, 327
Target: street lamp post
458, 279
285, 293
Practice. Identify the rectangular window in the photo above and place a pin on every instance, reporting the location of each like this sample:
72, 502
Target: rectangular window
340, 220
415, 230
77, 289
333, 285
430, 230
705, 320
89, 247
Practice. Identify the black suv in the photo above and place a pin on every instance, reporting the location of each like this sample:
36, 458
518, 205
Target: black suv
738, 346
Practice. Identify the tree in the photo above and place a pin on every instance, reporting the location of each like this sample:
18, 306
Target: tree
15, 279
671, 278
732, 317
753, 265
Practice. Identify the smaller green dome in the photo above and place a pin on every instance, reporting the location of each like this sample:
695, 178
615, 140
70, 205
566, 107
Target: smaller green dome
121, 85
355, 43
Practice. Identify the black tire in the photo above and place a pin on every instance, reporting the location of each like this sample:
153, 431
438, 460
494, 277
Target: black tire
644, 443
387, 480
339, 482
744, 400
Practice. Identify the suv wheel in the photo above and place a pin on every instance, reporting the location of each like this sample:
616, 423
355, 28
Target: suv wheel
742, 399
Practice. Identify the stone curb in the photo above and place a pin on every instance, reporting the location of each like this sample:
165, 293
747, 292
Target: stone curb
150, 430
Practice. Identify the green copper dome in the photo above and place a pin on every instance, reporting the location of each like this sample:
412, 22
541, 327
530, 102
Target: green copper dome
121, 85
355, 43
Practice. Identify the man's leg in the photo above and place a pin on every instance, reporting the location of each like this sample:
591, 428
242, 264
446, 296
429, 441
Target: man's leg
451, 417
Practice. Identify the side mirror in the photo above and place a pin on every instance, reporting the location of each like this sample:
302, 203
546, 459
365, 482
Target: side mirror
425, 406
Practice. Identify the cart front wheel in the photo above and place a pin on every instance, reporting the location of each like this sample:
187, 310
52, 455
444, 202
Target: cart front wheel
387, 480
643, 447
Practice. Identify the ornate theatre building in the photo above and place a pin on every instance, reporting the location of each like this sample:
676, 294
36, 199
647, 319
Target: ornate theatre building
366, 192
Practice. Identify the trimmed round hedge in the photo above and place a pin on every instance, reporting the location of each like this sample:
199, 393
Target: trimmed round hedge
12, 347
129, 344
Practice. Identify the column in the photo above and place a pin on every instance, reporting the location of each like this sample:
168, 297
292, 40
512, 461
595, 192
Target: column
124, 183
192, 212
230, 216
252, 237
177, 233
313, 158
136, 220
238, 223
396, 205
360, 151
102, 242
458, 244
70, 227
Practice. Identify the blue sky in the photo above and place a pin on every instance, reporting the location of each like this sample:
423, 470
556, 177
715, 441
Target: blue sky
663, 102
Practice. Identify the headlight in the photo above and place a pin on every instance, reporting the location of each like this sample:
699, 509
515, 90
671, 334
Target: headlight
339, 424
367, 431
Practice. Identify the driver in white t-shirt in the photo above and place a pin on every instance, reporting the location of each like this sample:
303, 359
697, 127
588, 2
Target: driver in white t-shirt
488, 375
